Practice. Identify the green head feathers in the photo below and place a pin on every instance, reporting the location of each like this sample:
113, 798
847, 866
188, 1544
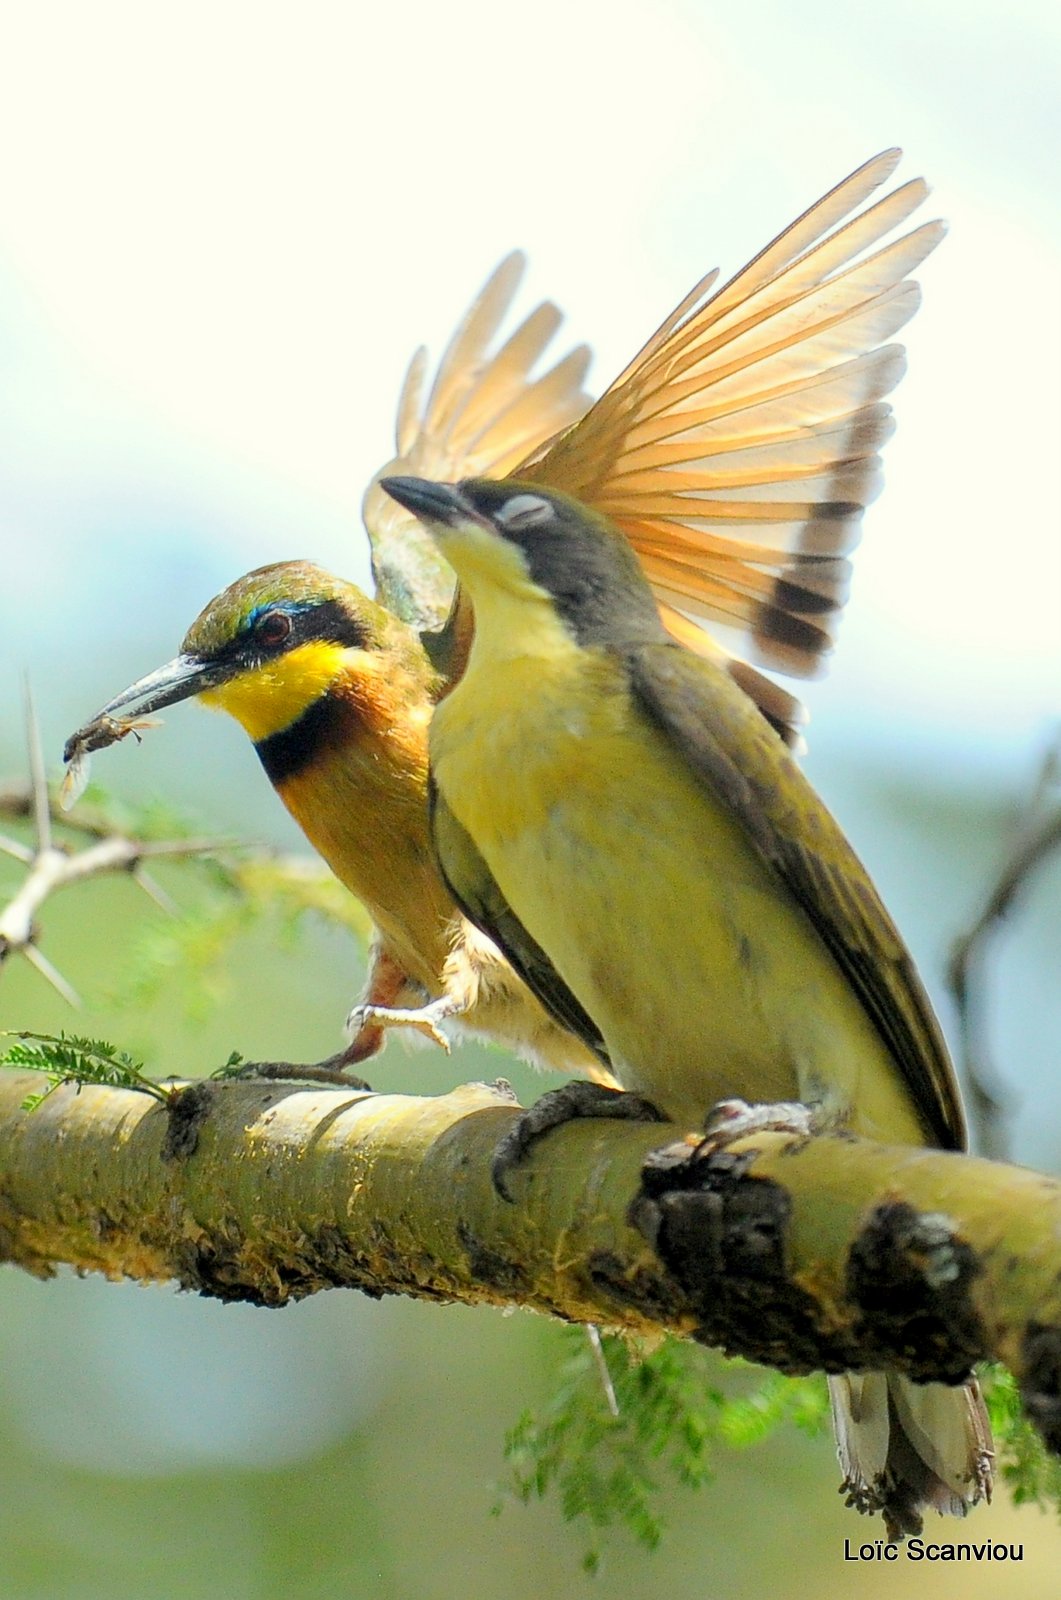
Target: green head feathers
268, 644
281, 605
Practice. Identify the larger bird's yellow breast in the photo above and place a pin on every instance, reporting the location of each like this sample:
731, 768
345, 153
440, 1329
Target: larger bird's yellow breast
705, 976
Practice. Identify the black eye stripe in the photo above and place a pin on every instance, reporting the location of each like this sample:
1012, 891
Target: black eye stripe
328, 621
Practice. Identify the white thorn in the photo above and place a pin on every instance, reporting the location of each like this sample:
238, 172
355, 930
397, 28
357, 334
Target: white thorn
38, 776
593, 1334
15, 847
155, 892
53, 975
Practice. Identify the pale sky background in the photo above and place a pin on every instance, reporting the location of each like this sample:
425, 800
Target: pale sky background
224, 227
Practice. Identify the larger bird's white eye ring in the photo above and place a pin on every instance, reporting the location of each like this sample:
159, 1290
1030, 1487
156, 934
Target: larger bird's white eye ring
523, 511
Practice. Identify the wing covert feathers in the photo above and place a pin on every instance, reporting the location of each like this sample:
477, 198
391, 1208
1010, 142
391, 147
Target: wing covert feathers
730, 750
476, 892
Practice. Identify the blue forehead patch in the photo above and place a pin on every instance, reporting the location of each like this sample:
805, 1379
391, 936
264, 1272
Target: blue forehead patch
292, 608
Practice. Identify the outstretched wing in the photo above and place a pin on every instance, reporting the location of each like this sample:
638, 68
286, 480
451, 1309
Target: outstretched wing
736, 452
739, 448
484, 414
730, 750
475, 890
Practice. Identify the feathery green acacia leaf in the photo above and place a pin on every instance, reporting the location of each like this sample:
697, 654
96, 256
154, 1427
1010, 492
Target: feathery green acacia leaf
1024, 1463
672, 1414
71, 1058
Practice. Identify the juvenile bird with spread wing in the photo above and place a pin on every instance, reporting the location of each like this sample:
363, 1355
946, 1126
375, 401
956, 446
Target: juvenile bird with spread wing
614, 813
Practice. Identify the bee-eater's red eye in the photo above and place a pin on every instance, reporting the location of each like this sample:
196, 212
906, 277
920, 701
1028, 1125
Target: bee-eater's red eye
274, 627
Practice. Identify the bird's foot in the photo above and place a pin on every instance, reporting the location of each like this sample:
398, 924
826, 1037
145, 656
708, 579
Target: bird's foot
370, 1021
331, 1070
734, 1119
557, 1106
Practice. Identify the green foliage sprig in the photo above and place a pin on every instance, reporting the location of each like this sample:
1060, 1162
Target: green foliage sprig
71, 1058
1024, 1463
609, 1468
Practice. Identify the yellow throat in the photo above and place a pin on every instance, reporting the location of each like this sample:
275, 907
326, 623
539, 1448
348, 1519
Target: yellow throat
269, 698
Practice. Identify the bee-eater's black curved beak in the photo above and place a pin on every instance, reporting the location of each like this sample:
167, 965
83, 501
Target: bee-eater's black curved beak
180, 678
431, 502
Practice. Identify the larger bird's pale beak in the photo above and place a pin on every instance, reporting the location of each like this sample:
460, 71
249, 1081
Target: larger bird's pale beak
431, 502
179, 679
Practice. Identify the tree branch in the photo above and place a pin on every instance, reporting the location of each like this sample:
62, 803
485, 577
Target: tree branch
828, 1252
52, 866
257, 875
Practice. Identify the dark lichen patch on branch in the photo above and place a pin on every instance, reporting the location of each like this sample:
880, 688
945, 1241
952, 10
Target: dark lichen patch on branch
490, 1266
187, 1110
651, 1292
909, 1276
226, 1265
1041, 1381
722, 1235
217, 1268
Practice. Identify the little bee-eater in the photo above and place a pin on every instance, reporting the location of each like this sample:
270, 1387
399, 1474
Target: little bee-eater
736, 452
616, 815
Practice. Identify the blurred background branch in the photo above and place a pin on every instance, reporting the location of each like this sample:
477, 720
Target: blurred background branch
1038, 835
53, 862
52, 865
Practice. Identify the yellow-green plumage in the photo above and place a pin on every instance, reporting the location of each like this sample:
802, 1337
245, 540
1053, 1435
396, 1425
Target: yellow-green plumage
672, 909
618, 816
705, 982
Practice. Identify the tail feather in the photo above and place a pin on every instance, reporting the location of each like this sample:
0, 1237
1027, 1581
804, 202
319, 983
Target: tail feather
904, 1446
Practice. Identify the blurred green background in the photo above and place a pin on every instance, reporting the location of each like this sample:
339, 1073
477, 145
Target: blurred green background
223, 231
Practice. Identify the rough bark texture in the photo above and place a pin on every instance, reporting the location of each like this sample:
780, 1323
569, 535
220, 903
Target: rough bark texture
826, 1252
